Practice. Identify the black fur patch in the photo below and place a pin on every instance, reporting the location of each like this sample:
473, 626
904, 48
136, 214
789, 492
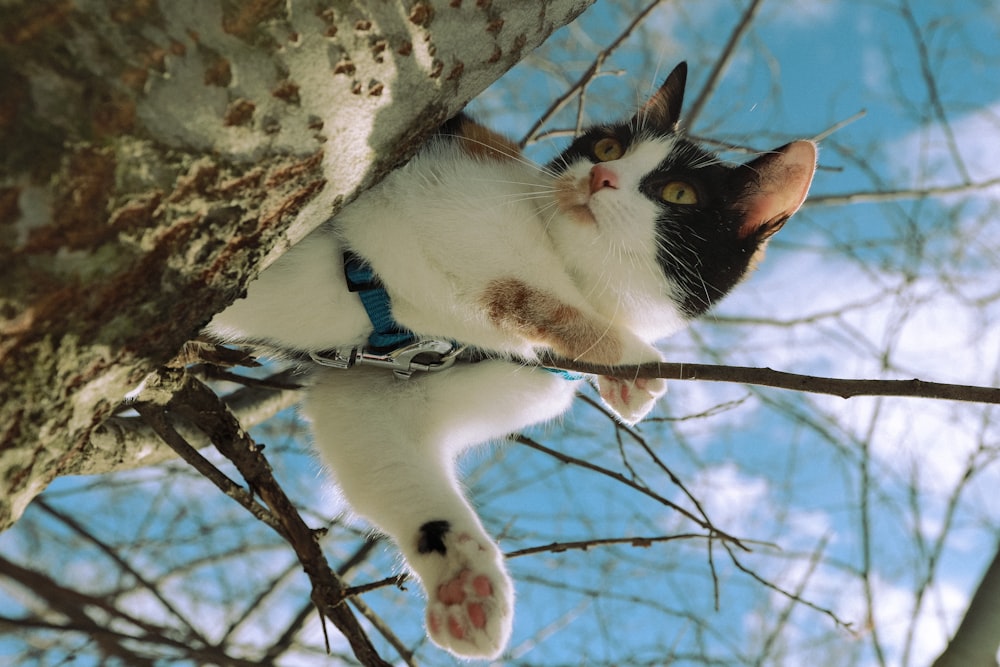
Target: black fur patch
432, 537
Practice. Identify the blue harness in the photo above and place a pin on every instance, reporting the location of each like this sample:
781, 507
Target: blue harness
391, 345
387, 335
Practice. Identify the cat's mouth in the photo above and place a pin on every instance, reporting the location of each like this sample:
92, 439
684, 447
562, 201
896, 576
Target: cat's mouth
573, 198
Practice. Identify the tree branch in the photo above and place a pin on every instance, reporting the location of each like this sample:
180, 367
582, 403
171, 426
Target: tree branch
766, 377
200, 405
125, 443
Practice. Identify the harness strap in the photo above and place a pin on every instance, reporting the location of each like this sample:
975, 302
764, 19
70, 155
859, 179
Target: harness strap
388, 337
387, 334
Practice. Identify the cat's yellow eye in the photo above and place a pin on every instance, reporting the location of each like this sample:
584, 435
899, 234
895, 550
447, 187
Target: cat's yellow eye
679, 192
607, 149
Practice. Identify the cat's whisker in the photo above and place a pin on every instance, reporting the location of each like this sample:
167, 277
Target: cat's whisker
534, 187
541, 192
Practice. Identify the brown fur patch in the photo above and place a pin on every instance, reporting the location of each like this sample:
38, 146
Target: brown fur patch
481, 142
542, 318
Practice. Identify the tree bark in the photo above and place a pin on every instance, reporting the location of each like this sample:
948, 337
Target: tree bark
155, 156
977, 640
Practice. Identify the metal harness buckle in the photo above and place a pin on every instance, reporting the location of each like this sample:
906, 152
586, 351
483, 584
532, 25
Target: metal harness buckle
429, 354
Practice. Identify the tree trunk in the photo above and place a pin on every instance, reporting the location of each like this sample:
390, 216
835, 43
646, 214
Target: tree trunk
155, 156
977, 639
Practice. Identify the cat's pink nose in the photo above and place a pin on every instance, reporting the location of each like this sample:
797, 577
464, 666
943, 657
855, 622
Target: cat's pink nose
602, 177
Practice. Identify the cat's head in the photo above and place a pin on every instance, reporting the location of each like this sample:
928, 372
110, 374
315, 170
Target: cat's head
645, 211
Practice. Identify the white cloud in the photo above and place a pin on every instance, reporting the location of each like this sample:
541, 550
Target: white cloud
925, 155
730, 496
807, 641
893, 611
745, 503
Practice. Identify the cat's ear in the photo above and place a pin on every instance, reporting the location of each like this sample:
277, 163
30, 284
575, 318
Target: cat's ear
773, 187
662, 111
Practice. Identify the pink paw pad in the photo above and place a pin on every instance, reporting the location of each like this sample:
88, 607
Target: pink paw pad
453, 594
470, 597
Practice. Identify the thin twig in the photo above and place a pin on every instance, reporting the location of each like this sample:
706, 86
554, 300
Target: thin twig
584, 545
839, 125
932, 92
156, 417
560, 547
785, 614
113, 555
566, 458
884, 196
580, 85
396, 581
787, 594
674, 479
691, 115
385, 630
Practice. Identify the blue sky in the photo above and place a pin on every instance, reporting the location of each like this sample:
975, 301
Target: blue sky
898, 289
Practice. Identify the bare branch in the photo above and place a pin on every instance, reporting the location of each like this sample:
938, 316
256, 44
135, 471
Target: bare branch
584, 545
566, 458
201, 406
934, 97
728, 51
766, 377
156, 417
790, 595
126, 443
385, 630
883, 196
595, 67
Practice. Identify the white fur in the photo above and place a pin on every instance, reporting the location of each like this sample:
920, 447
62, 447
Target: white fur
437, 232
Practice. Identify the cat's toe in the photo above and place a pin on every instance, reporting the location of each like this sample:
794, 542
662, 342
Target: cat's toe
470, 596
631, 400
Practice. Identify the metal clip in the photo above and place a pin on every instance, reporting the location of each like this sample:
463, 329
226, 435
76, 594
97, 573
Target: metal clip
341, 357
404, 361
429, 354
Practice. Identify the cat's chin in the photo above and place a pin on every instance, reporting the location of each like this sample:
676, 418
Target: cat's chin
581, 214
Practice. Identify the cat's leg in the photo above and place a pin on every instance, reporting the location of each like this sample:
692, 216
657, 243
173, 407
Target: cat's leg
573, 333
392, 444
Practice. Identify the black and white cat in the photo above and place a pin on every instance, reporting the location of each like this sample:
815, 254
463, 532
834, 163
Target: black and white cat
620, 241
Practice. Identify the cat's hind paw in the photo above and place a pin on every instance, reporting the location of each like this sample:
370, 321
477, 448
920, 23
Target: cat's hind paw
631, 400
470, 598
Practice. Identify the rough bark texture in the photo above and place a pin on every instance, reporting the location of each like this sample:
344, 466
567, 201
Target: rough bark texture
977, 640
154, 156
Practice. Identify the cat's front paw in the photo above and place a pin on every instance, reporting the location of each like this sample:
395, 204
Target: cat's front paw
470, 597
631, 400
